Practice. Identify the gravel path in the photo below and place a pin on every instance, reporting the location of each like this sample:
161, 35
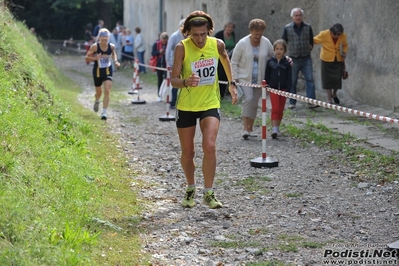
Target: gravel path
294, 214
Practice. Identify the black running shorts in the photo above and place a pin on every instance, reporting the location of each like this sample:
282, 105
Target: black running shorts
188, 119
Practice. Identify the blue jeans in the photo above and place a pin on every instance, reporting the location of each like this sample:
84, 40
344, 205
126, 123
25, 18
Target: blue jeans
140, 56
305, 66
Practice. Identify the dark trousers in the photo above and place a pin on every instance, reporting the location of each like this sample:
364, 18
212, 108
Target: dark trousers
222, 77
161, 76
174, 97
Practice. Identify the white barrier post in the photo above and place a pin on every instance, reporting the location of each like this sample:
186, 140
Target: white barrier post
133, 87
264, 161
136, 81
167, 116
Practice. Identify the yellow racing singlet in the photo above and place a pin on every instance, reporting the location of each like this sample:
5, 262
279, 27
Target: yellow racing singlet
203, 62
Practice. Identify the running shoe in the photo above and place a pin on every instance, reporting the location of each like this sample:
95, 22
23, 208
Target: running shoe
245, 134
188, 200
275, 132
96, 106
211, 201
104, 115
252, 134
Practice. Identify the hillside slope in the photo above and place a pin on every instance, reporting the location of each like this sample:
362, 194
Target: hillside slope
54, 165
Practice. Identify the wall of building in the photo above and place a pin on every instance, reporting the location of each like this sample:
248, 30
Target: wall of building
373, 54
374, 50
155, 16
143, 14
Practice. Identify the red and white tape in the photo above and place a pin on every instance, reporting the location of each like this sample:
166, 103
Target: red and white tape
321, 103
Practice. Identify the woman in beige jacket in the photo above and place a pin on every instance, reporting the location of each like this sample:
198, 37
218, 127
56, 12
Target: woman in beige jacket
249, 63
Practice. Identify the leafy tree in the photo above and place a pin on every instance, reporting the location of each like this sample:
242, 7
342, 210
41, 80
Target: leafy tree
64, 19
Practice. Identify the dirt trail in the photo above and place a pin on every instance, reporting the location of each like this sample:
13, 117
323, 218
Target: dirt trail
294, 213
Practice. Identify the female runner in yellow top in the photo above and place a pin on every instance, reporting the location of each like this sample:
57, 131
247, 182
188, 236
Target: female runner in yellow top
195, 74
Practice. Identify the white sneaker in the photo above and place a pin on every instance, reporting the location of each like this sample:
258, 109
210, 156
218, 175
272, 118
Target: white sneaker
245, 134
275, 132
159, 99
104, 115
252, 134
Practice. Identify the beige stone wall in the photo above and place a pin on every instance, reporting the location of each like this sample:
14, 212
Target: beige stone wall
370, 25
177, 9
143, 14
152, 19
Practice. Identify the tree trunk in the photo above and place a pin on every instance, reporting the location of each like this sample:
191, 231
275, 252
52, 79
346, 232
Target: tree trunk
105, 13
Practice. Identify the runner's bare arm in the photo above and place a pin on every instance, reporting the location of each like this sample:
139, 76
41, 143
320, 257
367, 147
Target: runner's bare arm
176, 80
115, 56
90, 54
224, 59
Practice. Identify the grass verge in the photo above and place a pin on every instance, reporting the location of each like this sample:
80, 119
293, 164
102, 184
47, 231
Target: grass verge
367, 163
64, 185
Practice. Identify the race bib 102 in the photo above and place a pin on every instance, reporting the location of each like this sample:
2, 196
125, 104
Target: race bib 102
206, 70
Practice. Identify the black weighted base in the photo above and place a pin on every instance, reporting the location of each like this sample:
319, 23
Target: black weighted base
134, 91
138, 102
166, 118
261, 162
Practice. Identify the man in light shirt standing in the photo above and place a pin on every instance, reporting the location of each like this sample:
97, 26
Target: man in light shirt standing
174, 39
140, 48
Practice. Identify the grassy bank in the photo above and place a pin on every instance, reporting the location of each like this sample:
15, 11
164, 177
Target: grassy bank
64, 186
